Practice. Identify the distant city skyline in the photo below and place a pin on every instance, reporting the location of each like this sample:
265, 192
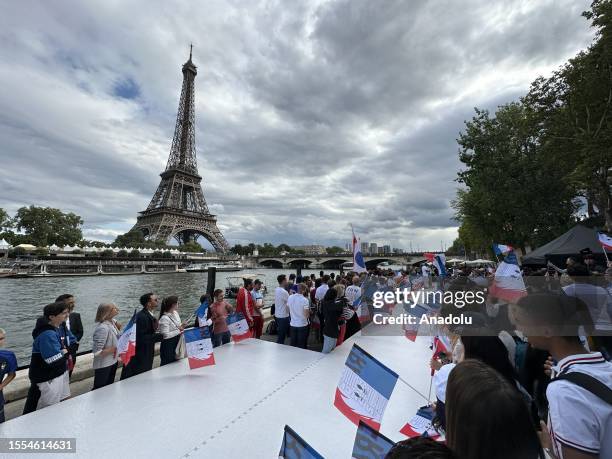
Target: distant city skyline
309, 115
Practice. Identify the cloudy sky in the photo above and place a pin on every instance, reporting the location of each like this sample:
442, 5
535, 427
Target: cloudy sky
310, 114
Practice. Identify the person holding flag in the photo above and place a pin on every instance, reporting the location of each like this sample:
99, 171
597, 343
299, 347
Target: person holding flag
245, 304
508, 283
146, 337
218, 313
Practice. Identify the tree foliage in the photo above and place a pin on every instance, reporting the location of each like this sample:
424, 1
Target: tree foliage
45, 226
530, 168
191, 246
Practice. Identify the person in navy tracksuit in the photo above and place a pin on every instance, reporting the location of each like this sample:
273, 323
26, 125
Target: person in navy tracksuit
48, 371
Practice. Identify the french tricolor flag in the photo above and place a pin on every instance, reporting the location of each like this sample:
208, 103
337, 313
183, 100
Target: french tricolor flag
508, 284
199, 347
442, 345
605, 241
126, 344
238, 327
502, 249
364, 389
438, 260
358, 261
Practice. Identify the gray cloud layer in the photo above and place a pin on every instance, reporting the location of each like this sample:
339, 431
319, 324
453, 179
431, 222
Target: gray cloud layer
310, 114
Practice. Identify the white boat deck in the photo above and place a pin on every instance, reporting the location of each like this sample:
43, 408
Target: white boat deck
235, 409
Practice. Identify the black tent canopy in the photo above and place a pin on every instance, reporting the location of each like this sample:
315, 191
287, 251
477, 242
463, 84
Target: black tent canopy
569, 244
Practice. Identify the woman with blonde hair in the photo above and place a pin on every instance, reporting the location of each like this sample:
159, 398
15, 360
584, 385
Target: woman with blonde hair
104, 348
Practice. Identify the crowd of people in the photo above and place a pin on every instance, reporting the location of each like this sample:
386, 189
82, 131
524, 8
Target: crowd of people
509, 387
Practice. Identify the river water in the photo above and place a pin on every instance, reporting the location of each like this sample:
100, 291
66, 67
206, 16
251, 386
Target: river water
22, 300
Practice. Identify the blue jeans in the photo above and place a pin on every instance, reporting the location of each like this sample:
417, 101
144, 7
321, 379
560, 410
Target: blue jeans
282, 326
1, 407
299, 336
329, 344
221, 338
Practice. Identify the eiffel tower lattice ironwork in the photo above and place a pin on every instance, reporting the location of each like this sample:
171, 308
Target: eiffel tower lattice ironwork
178, 208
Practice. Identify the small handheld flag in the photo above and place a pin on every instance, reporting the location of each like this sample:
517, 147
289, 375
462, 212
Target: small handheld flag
363, 313
411, 330
126, 344
238, 327
365, 388
606, 242
201, 313
370, 444
421, 424
199, 347
294, 447
502, 249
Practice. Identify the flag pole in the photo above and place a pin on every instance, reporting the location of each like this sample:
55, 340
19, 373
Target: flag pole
412, 387
603, 247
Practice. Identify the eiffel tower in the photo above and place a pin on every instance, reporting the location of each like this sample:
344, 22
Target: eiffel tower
178, 209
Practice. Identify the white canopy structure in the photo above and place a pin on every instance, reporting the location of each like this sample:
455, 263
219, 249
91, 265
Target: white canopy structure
4, 245
234, 409
26, 246
480, 261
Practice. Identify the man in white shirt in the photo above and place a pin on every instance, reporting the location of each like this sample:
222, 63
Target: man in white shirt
579, 419
299, 309
353, 292
281, 312
322, 289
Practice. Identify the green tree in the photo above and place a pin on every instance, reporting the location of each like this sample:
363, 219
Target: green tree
167, 254
135, 253
133, 238
191, 246
122, 254
5, 221
108, 253
457, 248
41, 252
575, 107
237, 249
334, 250
283, 248
44, 226
514, 192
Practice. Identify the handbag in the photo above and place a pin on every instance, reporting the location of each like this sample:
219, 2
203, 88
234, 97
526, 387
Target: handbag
180, 347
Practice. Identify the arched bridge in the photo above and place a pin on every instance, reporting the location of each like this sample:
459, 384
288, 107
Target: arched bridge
329, 261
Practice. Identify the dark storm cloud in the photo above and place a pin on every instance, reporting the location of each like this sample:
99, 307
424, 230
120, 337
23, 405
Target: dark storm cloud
310, 115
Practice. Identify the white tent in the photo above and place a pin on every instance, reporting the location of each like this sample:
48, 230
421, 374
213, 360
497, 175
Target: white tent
4, 245
54, 248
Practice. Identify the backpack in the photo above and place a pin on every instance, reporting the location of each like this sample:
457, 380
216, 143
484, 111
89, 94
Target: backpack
272, 329
587, 382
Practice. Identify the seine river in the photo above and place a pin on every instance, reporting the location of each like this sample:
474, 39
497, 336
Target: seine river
22, 300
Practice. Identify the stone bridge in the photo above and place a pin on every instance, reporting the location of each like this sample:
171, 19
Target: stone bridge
328, 261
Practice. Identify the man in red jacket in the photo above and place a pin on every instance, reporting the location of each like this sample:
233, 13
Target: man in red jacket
245, 303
